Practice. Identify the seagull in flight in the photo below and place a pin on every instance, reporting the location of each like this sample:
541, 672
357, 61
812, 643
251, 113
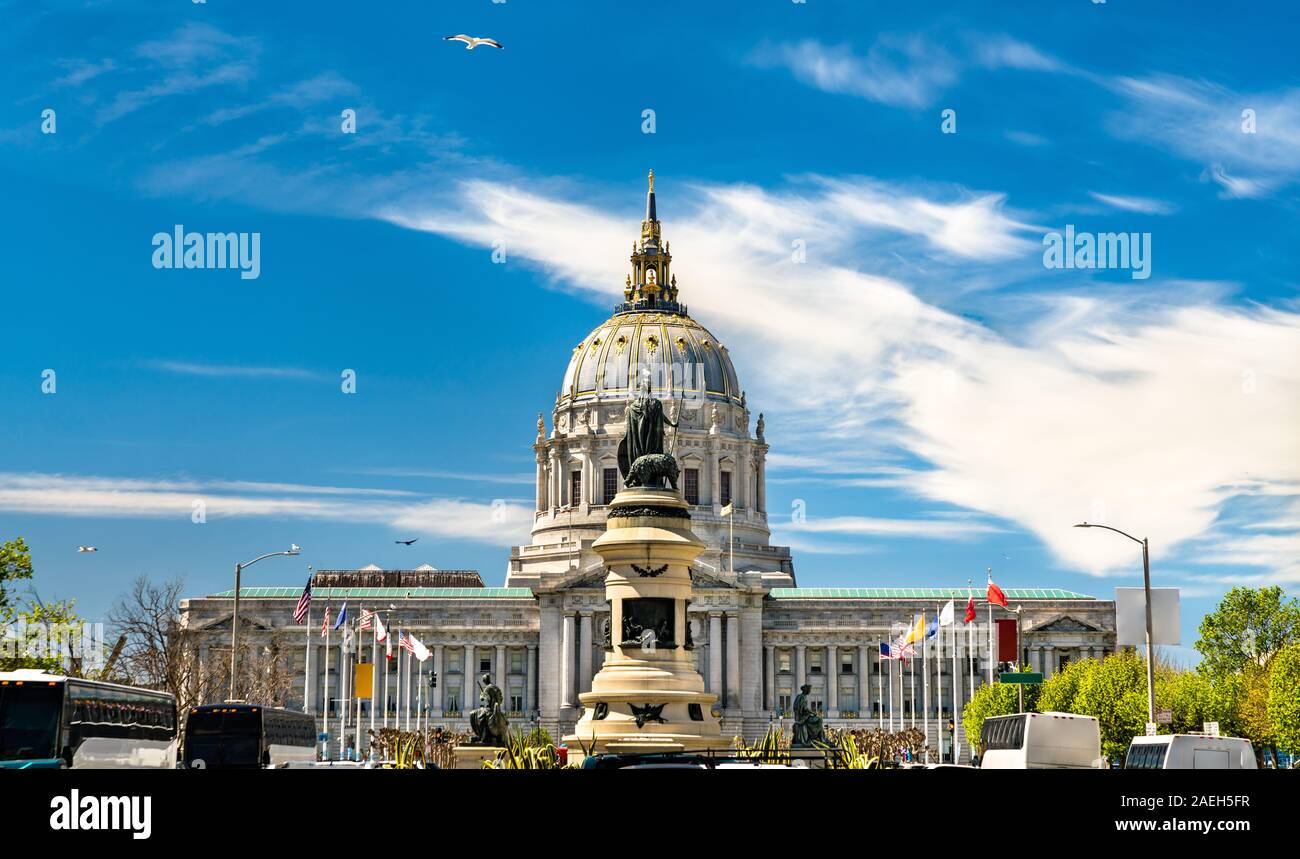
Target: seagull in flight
406, 542
87, 548
472, 42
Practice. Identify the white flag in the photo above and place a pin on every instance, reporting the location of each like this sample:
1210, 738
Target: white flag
726, 511
947, 616
421, 652
381, 634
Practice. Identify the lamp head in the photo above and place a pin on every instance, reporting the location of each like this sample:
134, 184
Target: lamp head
294, 548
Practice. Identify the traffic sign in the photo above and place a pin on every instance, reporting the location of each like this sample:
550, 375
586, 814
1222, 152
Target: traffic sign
1164, 717
322, 737
1211, 728
1021, 677
1151, 729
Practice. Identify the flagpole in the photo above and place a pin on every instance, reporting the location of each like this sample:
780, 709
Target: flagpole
938, 682
956, 686
891, 694
326, 721
374, 673
991, 653
925, 687
911, 687
880, 699
356, 690
306, 667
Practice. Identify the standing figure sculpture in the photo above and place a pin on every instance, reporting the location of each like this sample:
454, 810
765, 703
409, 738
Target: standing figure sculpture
488, 722
807, 722
644, 437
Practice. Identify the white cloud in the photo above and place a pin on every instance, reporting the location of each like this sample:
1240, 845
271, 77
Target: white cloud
1143, 205
233, 371
500, 522
1148, 412
896, 70
1204, 122
941, 529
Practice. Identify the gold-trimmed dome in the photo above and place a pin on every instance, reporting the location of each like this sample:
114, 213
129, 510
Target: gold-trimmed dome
650, 332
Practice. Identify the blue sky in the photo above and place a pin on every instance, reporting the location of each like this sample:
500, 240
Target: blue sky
937, 399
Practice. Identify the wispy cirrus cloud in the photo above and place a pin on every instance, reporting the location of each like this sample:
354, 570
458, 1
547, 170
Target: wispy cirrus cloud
900, 70
1142, 205
501, 522
233, 371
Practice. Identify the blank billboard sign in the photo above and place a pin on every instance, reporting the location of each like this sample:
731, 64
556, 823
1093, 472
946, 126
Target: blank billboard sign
1131, 617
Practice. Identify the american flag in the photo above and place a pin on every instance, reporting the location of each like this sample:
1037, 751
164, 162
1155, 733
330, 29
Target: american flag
304, 604
367, 619
404, 642
325, 624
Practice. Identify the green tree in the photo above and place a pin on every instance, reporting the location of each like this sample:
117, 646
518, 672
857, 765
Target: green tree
998, 699
1060, 690
1248, 627
15, 565
1116, 693
37, 634
1284, 699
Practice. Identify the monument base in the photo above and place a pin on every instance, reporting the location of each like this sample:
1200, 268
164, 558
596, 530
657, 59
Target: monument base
472, 757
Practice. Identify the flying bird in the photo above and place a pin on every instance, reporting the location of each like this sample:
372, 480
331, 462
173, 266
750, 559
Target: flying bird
87, 548
472, 42
406, 542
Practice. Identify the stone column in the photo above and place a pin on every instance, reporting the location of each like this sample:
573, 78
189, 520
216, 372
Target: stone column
548, 669
769, 696
467, 684
733, 661
541, 480
437, 693
584, 652
501, 670
751, 663
557, 477
832, 681
566, 661
715, 654
864, 682
530, 668
800, 667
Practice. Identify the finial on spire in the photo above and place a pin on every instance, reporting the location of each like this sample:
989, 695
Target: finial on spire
652, 180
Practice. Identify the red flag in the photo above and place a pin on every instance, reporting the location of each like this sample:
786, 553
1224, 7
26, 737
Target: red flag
996, 597
970, 610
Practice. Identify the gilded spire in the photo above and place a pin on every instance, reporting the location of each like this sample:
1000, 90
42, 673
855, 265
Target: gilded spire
651, 284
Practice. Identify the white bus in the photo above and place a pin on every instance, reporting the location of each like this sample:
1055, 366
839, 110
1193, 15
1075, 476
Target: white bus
1189, 752
48, 720
1041, 741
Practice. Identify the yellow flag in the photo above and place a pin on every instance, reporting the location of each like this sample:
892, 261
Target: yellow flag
918, 630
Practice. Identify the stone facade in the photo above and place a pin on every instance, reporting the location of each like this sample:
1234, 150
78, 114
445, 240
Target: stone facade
757, 636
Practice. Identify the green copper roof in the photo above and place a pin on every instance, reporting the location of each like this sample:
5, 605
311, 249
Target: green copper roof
920, 594
377, 593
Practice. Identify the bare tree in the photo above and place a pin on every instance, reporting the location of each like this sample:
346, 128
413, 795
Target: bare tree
161, 653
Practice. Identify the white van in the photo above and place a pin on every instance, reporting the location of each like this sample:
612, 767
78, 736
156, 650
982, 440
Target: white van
1041, 741
1189, 752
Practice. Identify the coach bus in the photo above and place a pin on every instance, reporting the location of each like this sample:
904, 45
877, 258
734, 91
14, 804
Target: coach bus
247, 736
48, 720
1041, 741
1189, 752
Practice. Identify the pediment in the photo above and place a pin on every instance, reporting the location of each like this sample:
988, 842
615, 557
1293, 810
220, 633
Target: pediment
1065, 623
705, 581
223, 623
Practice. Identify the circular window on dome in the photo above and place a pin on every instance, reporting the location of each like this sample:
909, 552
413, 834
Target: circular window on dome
680, 343
652, 344
620, 343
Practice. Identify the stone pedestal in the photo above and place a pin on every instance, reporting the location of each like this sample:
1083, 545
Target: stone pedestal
648, 697
472, 757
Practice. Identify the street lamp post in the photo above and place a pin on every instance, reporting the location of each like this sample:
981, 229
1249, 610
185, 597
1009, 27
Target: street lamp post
234, 619
1146, 591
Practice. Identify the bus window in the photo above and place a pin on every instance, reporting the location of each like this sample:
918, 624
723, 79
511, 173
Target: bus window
29, 720
1146, 756
224, 739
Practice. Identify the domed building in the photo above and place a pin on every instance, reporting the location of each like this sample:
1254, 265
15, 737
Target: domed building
757, 636
722, 464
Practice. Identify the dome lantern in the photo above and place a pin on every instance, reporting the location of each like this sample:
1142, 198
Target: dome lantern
651, 285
